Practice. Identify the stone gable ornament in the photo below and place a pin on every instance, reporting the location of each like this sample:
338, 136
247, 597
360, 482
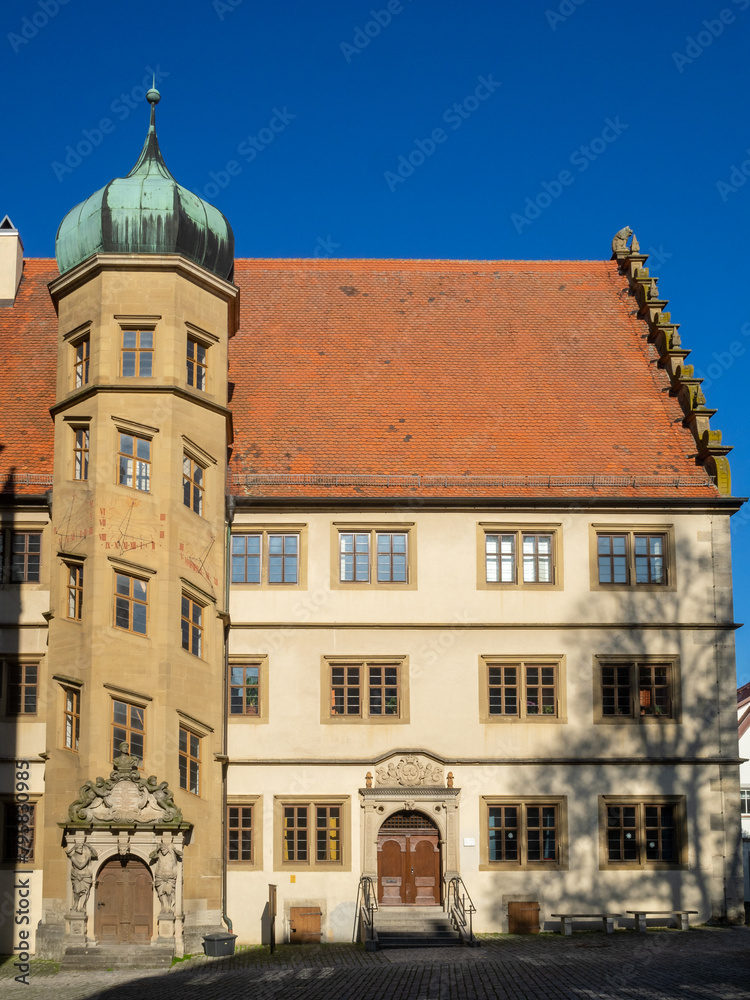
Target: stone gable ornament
409, 771
124, 797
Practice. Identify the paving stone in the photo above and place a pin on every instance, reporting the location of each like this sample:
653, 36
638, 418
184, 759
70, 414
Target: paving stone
701, 964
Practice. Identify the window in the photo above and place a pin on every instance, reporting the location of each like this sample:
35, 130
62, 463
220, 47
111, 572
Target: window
642, 834
511, 555
632, 556
75, 591
513, 690
131, 603
745, 801
196, 364
312, 833
137, 353
244, 688
364, 689
128, 726
26, 556
270, 558
81, 453
23, 686
369, 556
135, 462
523, 833
192, 626
81, 364
240, 833
636, 690
190, 761
71, 718
18, 831
192, 484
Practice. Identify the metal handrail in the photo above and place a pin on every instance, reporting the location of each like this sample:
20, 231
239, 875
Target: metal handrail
461, 909
364, 910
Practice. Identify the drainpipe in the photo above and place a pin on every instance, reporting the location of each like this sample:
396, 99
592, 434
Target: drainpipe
230, 506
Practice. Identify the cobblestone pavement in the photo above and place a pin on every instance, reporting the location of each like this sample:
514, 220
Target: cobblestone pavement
702, 964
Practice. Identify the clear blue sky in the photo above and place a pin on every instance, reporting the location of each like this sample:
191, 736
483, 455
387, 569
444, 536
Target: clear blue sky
314, 122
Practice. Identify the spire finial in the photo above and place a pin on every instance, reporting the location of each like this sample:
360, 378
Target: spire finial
153, 97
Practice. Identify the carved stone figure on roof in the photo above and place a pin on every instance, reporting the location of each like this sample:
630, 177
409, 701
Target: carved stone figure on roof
620, 241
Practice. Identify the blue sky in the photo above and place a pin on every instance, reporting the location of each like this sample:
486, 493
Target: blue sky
294, 118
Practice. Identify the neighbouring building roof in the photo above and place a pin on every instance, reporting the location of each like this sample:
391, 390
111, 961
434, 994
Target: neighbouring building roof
393, 378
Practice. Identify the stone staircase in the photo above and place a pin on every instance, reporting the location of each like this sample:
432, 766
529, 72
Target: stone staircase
102, 957
415, 927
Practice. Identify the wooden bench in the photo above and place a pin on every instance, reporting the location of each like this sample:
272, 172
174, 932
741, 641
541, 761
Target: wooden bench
683, 917
566, 920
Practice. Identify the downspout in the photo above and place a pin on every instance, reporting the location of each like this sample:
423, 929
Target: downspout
230, 506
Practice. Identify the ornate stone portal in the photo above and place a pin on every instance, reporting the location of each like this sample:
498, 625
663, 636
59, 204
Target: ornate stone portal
125, 816
411, 781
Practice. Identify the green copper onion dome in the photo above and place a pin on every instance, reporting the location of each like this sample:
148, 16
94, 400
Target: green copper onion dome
147, 212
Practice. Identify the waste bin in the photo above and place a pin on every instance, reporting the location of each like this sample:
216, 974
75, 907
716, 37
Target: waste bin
216, 945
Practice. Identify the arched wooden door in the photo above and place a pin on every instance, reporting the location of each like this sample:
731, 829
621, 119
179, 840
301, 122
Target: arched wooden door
124, 902
408, 861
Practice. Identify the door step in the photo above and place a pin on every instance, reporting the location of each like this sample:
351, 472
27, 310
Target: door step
415, 927
101, 958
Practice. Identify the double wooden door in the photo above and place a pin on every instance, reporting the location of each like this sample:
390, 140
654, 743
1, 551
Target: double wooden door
408, 864
124, 903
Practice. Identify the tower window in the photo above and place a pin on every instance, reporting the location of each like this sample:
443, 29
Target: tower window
192, 484
81, 363
81, 453
135, 462
137, 353
196, 364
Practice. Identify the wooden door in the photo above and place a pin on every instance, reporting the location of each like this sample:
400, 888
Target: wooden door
523, 918
304, 923
124, 903
408, 861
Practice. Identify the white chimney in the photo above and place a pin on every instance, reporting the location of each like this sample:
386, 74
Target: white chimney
11, 262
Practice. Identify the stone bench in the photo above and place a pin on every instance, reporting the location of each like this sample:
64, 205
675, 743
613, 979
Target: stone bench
683, 917
566, 920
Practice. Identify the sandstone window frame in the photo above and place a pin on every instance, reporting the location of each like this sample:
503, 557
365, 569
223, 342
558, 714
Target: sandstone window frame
374, 530
199, 377
74, 585
631, 531
25, 562
193, 624
16, 858
71, 694
131, 601
635, 716
312, 804
365, 717
519, 529
22, 684
261, 663
81, 449
265, 532
80, 345
143, 350
556, 660
190, 759
130, 726
679, 804
255, 804
523, 803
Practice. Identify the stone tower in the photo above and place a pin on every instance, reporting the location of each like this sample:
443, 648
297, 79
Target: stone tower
146, 306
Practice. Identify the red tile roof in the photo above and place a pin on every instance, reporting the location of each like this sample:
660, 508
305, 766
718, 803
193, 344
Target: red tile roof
515, 378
